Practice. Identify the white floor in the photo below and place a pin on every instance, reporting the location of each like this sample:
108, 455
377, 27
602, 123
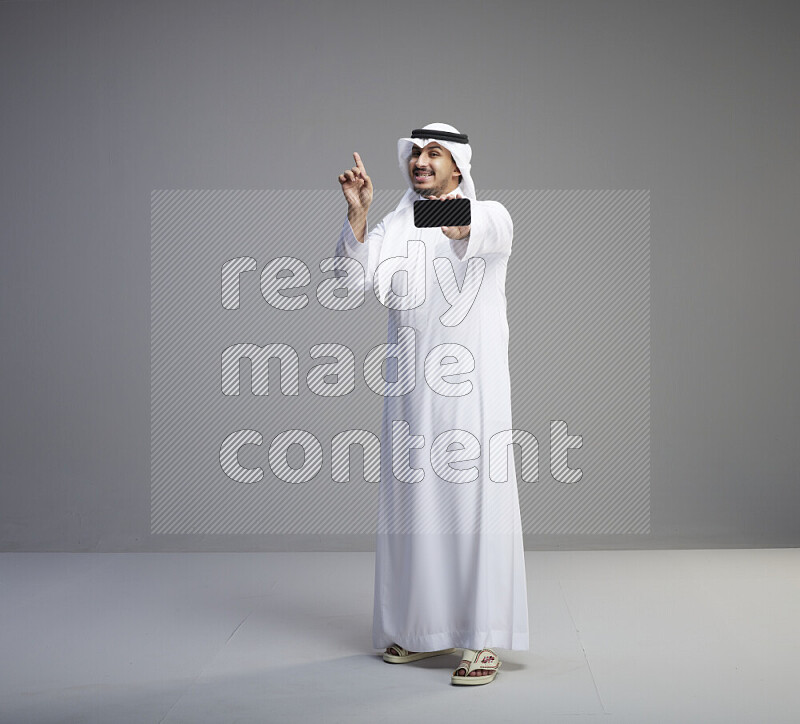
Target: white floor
616, 636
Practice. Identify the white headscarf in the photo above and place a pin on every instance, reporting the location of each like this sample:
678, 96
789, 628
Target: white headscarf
462, 155
400, 226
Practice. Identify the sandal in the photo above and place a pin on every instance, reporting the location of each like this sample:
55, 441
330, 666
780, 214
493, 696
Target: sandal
405, 656
484, 659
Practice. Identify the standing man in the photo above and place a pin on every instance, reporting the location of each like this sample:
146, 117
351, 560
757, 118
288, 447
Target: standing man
449, 564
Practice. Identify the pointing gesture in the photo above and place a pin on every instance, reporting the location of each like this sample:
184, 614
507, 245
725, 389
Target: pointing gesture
356, 186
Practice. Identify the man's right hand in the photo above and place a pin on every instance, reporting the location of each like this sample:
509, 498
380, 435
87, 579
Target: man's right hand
357, 186
357, 190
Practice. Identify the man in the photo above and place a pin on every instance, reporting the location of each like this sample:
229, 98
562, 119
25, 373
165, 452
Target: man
449, 566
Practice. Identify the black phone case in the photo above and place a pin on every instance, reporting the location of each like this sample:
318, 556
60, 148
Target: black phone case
450, 212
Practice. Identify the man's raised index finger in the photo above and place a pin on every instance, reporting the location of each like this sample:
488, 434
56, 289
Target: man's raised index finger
359, 162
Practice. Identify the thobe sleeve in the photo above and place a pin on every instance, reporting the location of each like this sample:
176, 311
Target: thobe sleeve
367, 253
491, 230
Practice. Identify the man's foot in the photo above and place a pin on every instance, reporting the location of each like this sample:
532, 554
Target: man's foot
394, 652
462, 671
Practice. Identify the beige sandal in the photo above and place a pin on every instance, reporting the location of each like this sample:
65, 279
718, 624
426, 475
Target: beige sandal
485, 659
405, 656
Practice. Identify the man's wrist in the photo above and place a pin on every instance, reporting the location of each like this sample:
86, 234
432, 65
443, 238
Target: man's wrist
358, 222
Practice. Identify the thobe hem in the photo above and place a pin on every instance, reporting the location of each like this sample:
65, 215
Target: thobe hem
471, 639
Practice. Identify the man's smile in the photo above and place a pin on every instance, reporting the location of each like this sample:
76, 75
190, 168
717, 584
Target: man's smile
431, 170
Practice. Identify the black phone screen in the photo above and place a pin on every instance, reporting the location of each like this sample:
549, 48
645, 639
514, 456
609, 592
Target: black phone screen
450, 212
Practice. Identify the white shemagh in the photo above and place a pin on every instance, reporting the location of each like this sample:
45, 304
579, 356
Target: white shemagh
462, 155
400, 227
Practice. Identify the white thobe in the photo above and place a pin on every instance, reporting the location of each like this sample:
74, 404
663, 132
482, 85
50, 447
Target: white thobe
449, 564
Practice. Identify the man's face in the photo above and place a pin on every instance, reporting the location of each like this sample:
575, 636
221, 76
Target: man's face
432, 170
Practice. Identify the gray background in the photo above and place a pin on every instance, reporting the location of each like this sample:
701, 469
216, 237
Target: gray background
103, 102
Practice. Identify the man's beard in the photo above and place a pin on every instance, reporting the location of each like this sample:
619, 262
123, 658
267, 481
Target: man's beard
437, 190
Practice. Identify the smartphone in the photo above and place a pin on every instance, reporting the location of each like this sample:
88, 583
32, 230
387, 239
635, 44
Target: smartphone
450, 212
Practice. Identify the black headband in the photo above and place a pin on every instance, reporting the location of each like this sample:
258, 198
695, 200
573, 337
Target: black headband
439, 135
